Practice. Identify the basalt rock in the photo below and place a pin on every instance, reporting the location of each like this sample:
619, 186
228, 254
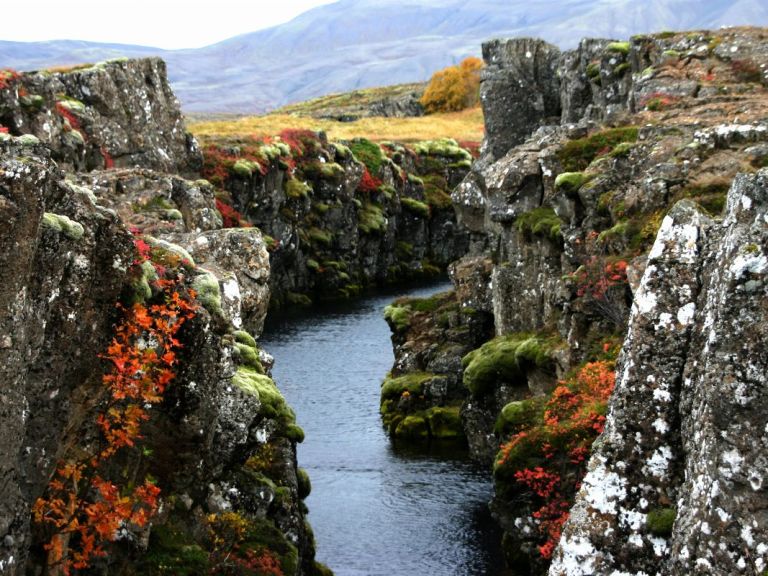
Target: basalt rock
519, 90
117, 113
687, 419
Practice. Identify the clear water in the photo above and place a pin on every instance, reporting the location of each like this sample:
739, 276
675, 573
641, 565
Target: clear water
377, 509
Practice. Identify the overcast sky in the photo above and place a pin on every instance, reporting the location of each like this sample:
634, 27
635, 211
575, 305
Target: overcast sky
160, 23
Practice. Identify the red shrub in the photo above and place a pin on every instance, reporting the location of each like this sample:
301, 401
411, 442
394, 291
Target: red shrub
84, 509
368, 184
232, 218
301, 141
7, 77
573, 418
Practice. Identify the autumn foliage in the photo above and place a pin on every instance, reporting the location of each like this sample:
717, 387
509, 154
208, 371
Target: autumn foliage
454, 88
556, 448
82, 507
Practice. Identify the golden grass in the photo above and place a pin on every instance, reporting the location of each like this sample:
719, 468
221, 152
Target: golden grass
466, 125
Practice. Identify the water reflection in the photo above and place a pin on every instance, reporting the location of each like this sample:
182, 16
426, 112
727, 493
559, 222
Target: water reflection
376, 508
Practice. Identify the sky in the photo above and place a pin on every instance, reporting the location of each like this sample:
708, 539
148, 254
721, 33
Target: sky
158, 23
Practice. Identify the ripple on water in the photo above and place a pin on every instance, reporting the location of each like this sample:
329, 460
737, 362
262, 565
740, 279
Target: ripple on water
376, 509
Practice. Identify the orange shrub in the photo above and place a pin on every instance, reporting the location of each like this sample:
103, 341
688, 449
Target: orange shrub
454, 88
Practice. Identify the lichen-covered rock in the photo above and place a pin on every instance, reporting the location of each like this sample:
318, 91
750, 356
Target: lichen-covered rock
120, 113
57, 304
686, 424
221, 445
239, 259
519, 90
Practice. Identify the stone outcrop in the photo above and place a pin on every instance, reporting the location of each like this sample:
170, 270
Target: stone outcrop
119, 113
337, 225
518, 90
605, 227
76, 245
687, 420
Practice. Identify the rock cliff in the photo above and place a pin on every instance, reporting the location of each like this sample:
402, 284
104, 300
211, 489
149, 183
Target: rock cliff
199, 473
597, 213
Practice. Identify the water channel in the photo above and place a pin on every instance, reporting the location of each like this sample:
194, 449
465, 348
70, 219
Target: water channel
377, 509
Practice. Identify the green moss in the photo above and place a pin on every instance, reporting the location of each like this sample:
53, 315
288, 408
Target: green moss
593, 70
208, 292
520, 415
505, 359
413, 427
263, 388
413, 179
245, 168
320, 237
429, 304
404, 250
140, 283
64, 225
445, 422
295, 188
660, 521
622, 150
243, 337
248, 356
305, 486
320, 207
540, 221
618, 230
342, 152
413, 383
323, 171
371, 219
570, 182
577, 154
313, 265
622, 69
294, 433
173, 552
297, 299
369, 153
446, 147
618, 47
398, 317
437, 198
32, 101
415, 207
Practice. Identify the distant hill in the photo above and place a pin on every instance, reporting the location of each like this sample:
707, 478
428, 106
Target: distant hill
355, 44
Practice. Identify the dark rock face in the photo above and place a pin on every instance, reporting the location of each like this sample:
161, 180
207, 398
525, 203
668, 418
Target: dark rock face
120, 113
687, 420
518, 91
222, 444
331, 239
562, 247
56, 309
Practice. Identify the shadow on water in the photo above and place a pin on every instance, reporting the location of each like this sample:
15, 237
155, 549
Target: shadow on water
377, 509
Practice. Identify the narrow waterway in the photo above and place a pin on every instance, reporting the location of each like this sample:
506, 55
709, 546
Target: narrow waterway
376, 509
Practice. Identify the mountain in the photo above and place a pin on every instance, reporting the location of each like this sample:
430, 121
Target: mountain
355, 44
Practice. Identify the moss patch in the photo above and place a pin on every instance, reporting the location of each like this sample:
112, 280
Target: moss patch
295, 188
371, 219
505, 359
445, 422
64, 225
369, 153
398, 317
412, 383
520, 415
570, 182
540, 221
660, 521
576, 155
415, 207
208, 292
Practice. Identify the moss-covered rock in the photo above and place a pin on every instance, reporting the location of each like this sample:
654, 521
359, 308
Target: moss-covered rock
415, 207
540, 221
570, 182
444, 422
520, 415
412, 383
506, 359
398, 317
305, 485
577, 154
64, 225
413, 427
206, 286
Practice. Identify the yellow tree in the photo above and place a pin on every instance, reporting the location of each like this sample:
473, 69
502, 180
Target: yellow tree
454, 88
